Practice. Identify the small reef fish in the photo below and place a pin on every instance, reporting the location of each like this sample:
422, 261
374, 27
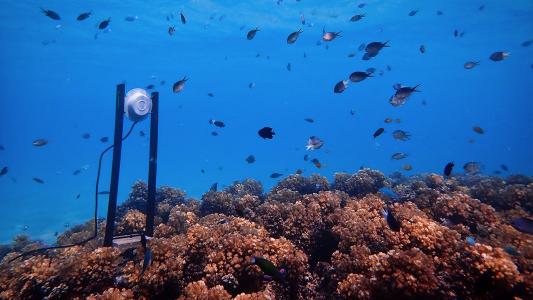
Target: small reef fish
78, 196
407, 167
103, 25
472, 168
378, 132
179, 85
4, 171
141, 133
399, 155
211, 95
316, 162
393, 223
214, 187
340, 86
388, 120
219, 124
38, 180
412, 13
401, 135
269, 269
373, 49
504, 167
276, 175
499, 56
470, 64
314, 143
291, 39
478, 129
131, 18
330, 35
356, 18
422, 49
310, 120
171, 30
39, 142
83, 16
523, 224
251, 34
214, 133
289, 67
250, 159
402, 94
51, 14
104, 139
360, 76
183, 19
448, 168
266, 133
86, 136
76, 172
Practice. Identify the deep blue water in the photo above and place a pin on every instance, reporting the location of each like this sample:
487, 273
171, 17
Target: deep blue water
59, 83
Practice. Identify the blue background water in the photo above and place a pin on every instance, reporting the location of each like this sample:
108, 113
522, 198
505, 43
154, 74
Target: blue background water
63, 89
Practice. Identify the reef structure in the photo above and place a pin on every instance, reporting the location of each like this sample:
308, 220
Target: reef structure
453, 238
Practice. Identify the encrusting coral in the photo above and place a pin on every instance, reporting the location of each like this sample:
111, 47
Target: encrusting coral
451, 238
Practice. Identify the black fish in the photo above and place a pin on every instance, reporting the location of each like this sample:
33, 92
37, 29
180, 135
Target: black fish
291, 39
2, 148
141, 133
39, 142
214, 187
306, 157
4, 171
455, 33
78, 196
217, 123
86, 136
504, 167
214, 133
523, 224
310, 120
76, 172
269, 269
359, 76
393, 223
378, 132
251, 34
439, 13
51, 14
210, 95
422, 49
103, 193
150, 87
250, 159
103, 25
179, 85
266, 133
412, 13
340, 86
448, 168
499, 56
183, 20
38, 180
104, 139
357, 18
275, 175
472, 168
83, 16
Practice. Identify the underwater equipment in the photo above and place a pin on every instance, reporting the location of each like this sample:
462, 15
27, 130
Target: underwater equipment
136, 105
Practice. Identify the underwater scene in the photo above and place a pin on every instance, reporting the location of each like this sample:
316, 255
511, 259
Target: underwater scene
266, 149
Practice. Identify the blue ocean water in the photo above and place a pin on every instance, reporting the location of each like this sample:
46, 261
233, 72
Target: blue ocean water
58, 82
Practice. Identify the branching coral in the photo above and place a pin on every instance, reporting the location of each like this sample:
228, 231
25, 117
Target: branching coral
361, 183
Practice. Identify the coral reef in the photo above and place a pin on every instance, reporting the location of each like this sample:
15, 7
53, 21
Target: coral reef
452, 238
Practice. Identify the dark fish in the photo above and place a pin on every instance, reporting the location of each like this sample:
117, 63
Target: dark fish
351, 55
412, 13
104, 139
251, 85
478, 129
83, 16
150, 87
422, 49
275, 175
162, 82
340, 86
171, 30
402, 94
250, 159
141, 133
316, 162
356, 18
527, 43
498, 56
147, 259
2, 148
76, 172
455, 33
298, 172
202, 170
269, 269
103, 25
352, 112
371, 70
217, 123
214, 187
472, 168
78, 196
378, 132
393, 223
38, 180
183, 19
289, 67
448, 168
407, 167
439, 13
399, 155
471, 64
211, 95
291, 39
266, 133
179, 85
401, 135
482, 7
361, 5
306, 157
361, 47
373, 49
130, 18
86, 136
214, 133
4, 171
51, 14
359, 76
329, 36
103, 193
39, 142
310, 120
523, 224
504, 167
251, 34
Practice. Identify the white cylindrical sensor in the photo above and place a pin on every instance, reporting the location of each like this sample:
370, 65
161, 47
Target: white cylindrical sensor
137, 104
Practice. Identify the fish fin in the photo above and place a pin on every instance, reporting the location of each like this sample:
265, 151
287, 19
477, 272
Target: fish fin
385, 44
414, 89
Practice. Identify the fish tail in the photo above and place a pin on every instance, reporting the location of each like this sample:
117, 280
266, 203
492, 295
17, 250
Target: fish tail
385, 44
415, 88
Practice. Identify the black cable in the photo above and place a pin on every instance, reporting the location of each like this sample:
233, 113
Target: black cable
95, 208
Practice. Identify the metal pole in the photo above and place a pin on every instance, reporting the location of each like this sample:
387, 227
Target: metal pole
152, 165
115, 170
